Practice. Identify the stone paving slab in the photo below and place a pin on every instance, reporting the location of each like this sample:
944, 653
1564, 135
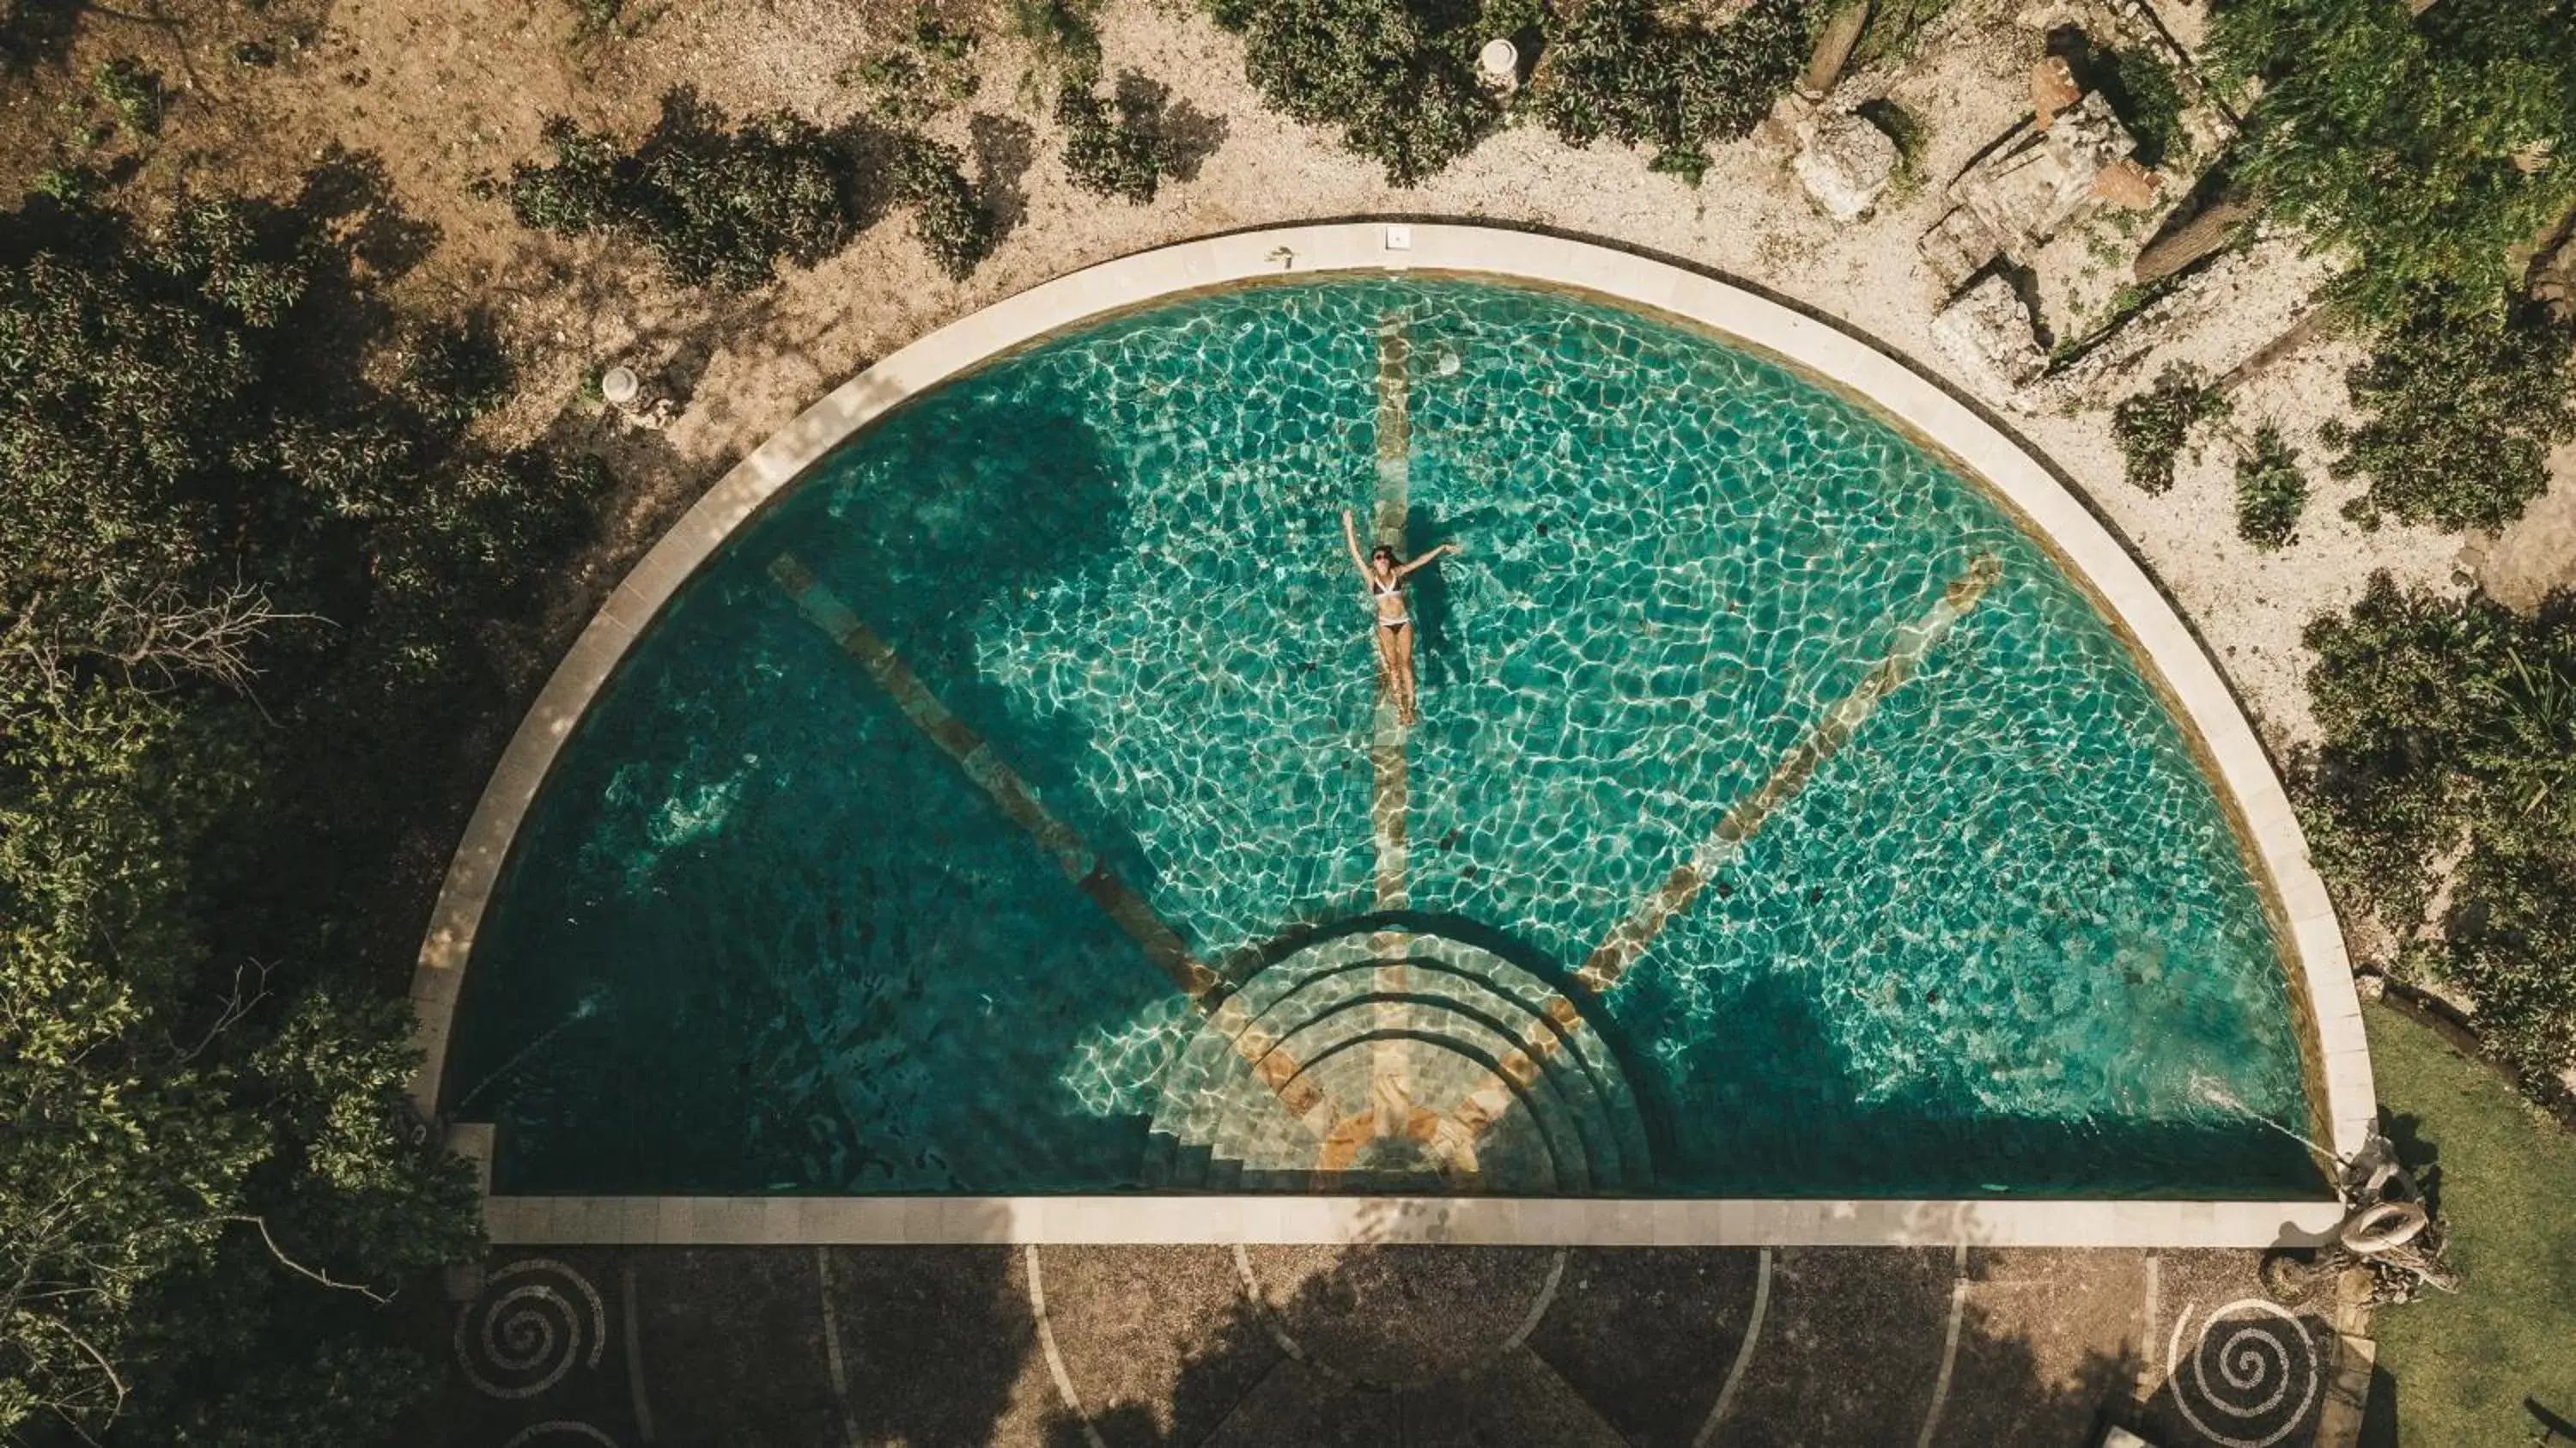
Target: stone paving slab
1154, 1340
1656, 1386
1851, 1349
1513, 1402
1270, 1347
2046, 1338
1293, 1403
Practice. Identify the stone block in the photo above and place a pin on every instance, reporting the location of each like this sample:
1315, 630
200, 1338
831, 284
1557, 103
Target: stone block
1846, 166
1988, 330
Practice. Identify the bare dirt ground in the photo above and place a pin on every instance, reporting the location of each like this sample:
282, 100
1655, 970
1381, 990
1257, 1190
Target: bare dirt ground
449, 93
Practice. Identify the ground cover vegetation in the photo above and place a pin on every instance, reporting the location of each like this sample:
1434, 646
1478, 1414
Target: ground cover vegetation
1116, 147
1620, 69
2472, 1368
2459, 405
2448, 758
2271, 490
722, 204
2425, 145
254, 568
1398, 78
2151, 427
1398, 85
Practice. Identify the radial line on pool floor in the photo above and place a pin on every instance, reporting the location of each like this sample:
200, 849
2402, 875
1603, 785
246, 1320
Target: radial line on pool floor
1629, 938
1471, 1119
1081, 864
1390, 1109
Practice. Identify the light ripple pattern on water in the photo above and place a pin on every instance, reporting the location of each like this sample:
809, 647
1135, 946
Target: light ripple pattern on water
1988, 947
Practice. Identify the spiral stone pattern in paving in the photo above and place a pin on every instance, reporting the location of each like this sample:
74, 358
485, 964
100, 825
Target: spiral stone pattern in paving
1132, 1347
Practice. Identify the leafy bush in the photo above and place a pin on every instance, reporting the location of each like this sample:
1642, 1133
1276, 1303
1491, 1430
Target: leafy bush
133, 92
1401, 92
2460, 407
916, 81
2425, 145
596, 17
2147, 98
1122, 156
1617, 69
1059, 34
2271, 491
2152, 426
2450, 725
231, 471
716, 206
957, 233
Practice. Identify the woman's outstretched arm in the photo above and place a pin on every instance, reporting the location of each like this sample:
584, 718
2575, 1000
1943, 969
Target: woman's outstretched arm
1351, 536
1425, 560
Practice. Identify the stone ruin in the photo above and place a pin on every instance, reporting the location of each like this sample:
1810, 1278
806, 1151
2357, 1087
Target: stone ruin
1846, 164
2069, 161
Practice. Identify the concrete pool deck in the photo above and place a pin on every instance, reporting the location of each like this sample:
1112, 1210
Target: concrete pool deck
2337, 1058
1132, 1347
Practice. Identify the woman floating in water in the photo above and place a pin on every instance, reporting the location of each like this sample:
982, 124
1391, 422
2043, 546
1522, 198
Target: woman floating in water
1394, 629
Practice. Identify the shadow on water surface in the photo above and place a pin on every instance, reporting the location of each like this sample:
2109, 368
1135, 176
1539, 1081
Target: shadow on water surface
1777, 1105
756, 1021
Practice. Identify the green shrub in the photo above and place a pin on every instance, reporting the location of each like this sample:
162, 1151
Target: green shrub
916, 81
2271, 491
1906, 129
2147, 98
2152, 426
2450, 725
451, 375
1618, 69
131, 91
1401, 92
2424, 145
232, 469
1893, 27
716, 206
1121, 156
2460, 407
583, 191
1060, 35
931, 175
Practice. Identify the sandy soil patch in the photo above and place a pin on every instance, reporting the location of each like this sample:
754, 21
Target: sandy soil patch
450, 93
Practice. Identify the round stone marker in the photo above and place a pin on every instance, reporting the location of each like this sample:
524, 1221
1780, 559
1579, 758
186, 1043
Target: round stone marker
1500, 60
620, 386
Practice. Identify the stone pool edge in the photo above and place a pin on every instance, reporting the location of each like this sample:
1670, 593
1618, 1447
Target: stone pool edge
2339, 1067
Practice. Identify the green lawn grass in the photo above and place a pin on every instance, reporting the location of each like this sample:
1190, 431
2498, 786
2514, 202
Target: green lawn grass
2457, 1370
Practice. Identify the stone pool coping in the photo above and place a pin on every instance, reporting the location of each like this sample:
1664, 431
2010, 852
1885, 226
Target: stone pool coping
2337, 1058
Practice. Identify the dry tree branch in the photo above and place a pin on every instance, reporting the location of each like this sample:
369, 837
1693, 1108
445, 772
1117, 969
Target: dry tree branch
236, 1005
325, 1278
162, 633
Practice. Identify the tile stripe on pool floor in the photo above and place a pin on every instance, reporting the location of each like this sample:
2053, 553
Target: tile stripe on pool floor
1628, 940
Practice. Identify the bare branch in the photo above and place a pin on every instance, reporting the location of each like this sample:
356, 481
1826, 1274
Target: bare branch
236, 1005
325, 1278
161, 637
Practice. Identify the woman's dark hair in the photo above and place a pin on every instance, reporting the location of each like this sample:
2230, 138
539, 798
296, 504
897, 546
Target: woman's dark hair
1382, 551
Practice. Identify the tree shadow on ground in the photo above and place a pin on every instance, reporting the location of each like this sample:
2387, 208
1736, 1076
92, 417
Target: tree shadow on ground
1432, 1345
36, 32
1004, 147
1192, 134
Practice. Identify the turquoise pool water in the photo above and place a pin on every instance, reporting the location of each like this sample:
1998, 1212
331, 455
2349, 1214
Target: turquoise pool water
881, 862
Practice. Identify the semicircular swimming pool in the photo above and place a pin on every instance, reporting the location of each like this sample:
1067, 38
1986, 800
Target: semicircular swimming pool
1014, 807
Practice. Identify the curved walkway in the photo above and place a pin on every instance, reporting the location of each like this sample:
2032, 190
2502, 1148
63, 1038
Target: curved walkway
2338, 1061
